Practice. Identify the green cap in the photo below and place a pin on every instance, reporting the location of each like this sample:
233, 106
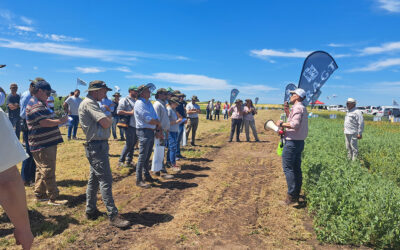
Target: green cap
133, 87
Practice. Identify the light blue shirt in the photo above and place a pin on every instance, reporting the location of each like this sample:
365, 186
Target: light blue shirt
109, 103
2, 98
25, 97
144, 113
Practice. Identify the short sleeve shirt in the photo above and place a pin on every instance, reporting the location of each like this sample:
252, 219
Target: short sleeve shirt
40, 137
172, 118
191, 106
90, 114
73, 104
14, 99
127, 104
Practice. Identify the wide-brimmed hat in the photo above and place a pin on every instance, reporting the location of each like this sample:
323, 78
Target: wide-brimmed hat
170, 90
174, 100
194, 98
116, 94
149, 86
238, 100
162, 91
96, 85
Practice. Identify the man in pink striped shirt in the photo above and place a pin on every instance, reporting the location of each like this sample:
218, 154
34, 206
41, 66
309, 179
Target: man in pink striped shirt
296, 132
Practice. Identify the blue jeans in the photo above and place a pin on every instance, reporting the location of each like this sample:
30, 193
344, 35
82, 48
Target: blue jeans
115, 120
16, 123
180, 135
100, 177
74, 124
146, 143
291, 163
131, 139
28, 169
172, 146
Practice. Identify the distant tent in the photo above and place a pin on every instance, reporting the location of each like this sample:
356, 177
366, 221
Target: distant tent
317, 103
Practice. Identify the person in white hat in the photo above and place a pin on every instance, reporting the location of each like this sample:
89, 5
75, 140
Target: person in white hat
353, 128
296, 132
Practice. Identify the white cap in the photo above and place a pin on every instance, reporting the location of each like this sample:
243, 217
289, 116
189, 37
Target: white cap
299, 92
351, 100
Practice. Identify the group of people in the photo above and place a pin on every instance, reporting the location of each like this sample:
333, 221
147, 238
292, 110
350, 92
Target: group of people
215, 110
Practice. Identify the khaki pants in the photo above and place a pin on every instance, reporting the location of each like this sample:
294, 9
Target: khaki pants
45, 184
352, 146
192, 125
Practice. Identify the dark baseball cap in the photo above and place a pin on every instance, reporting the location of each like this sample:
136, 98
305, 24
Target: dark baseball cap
41, 83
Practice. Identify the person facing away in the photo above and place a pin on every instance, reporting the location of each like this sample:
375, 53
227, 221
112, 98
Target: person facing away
115, 118
14, 109
96, 127
353, 128
296, 132
248, 118
192, 111
71, 106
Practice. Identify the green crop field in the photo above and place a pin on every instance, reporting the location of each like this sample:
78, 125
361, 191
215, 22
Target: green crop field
354, 202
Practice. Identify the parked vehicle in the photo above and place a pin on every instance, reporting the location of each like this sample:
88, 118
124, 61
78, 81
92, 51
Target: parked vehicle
335, 107
388, 110
372, 110
362, 109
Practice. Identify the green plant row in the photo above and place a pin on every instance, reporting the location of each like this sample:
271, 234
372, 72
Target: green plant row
350, 203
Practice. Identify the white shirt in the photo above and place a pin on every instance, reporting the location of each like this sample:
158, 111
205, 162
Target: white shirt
73, 104
353, 122
189, 107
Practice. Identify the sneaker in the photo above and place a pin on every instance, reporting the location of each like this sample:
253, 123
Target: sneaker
167, 176
148, 178
176, 169
57, 202
142, 184
74, 138
192, 144
180, 157
93, 215
69, 138
257, 140
130, 165
118, 221
230, 141
238, 140
168, 164
41, 199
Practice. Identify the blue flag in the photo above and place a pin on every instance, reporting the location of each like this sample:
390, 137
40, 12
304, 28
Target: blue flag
317, 68
234, 94
80, 82
256, 101
289, 88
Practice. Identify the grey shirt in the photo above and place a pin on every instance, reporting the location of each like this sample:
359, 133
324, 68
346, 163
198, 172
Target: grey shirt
127, 104
90, 114
73, 104
172, 117
161, 111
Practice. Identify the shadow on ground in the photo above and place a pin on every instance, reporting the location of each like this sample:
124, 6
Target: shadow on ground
147, 219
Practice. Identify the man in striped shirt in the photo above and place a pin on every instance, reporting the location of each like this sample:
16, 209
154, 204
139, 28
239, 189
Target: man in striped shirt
43, 137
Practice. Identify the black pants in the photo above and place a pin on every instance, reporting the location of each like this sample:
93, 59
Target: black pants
235, 125
216, 113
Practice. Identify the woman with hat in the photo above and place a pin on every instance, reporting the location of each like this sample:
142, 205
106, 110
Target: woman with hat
248, 118
173, 132
236, 112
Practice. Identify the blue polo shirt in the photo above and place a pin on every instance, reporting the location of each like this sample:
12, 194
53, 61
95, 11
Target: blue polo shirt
144, 113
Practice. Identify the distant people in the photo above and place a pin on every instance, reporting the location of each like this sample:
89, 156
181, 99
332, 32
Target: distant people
43, 137
226, 110
71, 106
160, 106
96, 127
353, 128
115, 118
208, 110
148, 126
217, 110
192, 111
173, 133
236, 112
28, 169
50, 102
248, 118
107, 106
181, 112
14, 109
126, 112
296, 132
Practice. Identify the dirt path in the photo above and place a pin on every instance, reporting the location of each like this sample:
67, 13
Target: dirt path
228, 198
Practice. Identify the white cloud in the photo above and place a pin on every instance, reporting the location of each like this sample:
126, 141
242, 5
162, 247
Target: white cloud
337, 45
59, 38
6, 15
35, 67
123, 69
390, 5
26, 20
24, 28
386, 47
266, 53
75, 51
380, 65
89, 70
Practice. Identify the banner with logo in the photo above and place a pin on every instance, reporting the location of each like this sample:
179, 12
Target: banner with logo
234, 94
288, 88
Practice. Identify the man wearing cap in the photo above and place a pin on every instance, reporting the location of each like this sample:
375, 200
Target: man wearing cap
236, 112
353, 128
193, 111
160, 106
96, 127
296, 132
147, 122
126, 108
115, 118
28, 165
71, 106
181, 112
14, 109
43, 137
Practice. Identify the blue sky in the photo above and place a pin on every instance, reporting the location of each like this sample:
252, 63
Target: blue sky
204, 47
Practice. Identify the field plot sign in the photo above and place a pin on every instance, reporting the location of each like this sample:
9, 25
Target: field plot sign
332, 116
377, 119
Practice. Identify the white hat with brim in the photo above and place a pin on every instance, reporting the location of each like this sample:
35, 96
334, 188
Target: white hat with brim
300, 92
351, 100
